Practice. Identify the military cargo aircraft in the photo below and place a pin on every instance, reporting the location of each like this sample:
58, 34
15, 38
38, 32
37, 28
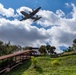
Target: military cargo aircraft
31, 15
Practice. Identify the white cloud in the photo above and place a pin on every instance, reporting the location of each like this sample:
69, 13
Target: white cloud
23, 8
67, 4
22, 33
65, 32
6, 12
60, 13
48, 18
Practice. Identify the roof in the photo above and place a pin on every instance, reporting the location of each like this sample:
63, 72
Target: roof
15, 54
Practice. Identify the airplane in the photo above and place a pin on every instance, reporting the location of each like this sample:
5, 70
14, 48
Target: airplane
31, 15
36, 18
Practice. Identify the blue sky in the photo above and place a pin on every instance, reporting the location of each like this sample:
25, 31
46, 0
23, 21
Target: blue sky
56, 27
45, 4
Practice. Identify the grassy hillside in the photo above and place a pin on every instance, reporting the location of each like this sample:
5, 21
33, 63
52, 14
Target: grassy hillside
66, 66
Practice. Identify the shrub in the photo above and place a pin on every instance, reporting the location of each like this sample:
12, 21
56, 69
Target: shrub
55, 63
34, 61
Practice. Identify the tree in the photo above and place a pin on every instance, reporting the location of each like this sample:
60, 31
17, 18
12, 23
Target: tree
14, 48
50, 49
1, 43
70, 49
74, 41
7, 48
74, 44
42, 49
28, 47
1, 48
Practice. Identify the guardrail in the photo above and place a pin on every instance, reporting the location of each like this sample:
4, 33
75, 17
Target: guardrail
10, 61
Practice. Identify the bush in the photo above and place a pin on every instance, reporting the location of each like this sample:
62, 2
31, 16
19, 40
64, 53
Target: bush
55, 63
34, 61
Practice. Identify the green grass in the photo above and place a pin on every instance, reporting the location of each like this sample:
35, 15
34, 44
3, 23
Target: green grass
44, 67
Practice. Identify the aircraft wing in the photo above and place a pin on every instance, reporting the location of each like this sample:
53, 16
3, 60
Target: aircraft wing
35, 11
23, 19
35, 18
24, 13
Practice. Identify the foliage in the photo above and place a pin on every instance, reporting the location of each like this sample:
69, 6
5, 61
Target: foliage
34, 61
55, 62
67, 67
51, 49
48, 47
42, 49
1, 43
27, 47
69, 49
74, 41
7, 48
74, 44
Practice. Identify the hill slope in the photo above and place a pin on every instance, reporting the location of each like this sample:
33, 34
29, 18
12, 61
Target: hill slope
44, 67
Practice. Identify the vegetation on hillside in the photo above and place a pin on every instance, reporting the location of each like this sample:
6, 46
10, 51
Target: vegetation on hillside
71, 48
7, 48
44, 65
61, 66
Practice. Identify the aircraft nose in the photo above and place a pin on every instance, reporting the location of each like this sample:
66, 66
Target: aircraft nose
21, 11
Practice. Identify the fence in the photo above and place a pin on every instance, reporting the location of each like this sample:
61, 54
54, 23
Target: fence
10, 61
